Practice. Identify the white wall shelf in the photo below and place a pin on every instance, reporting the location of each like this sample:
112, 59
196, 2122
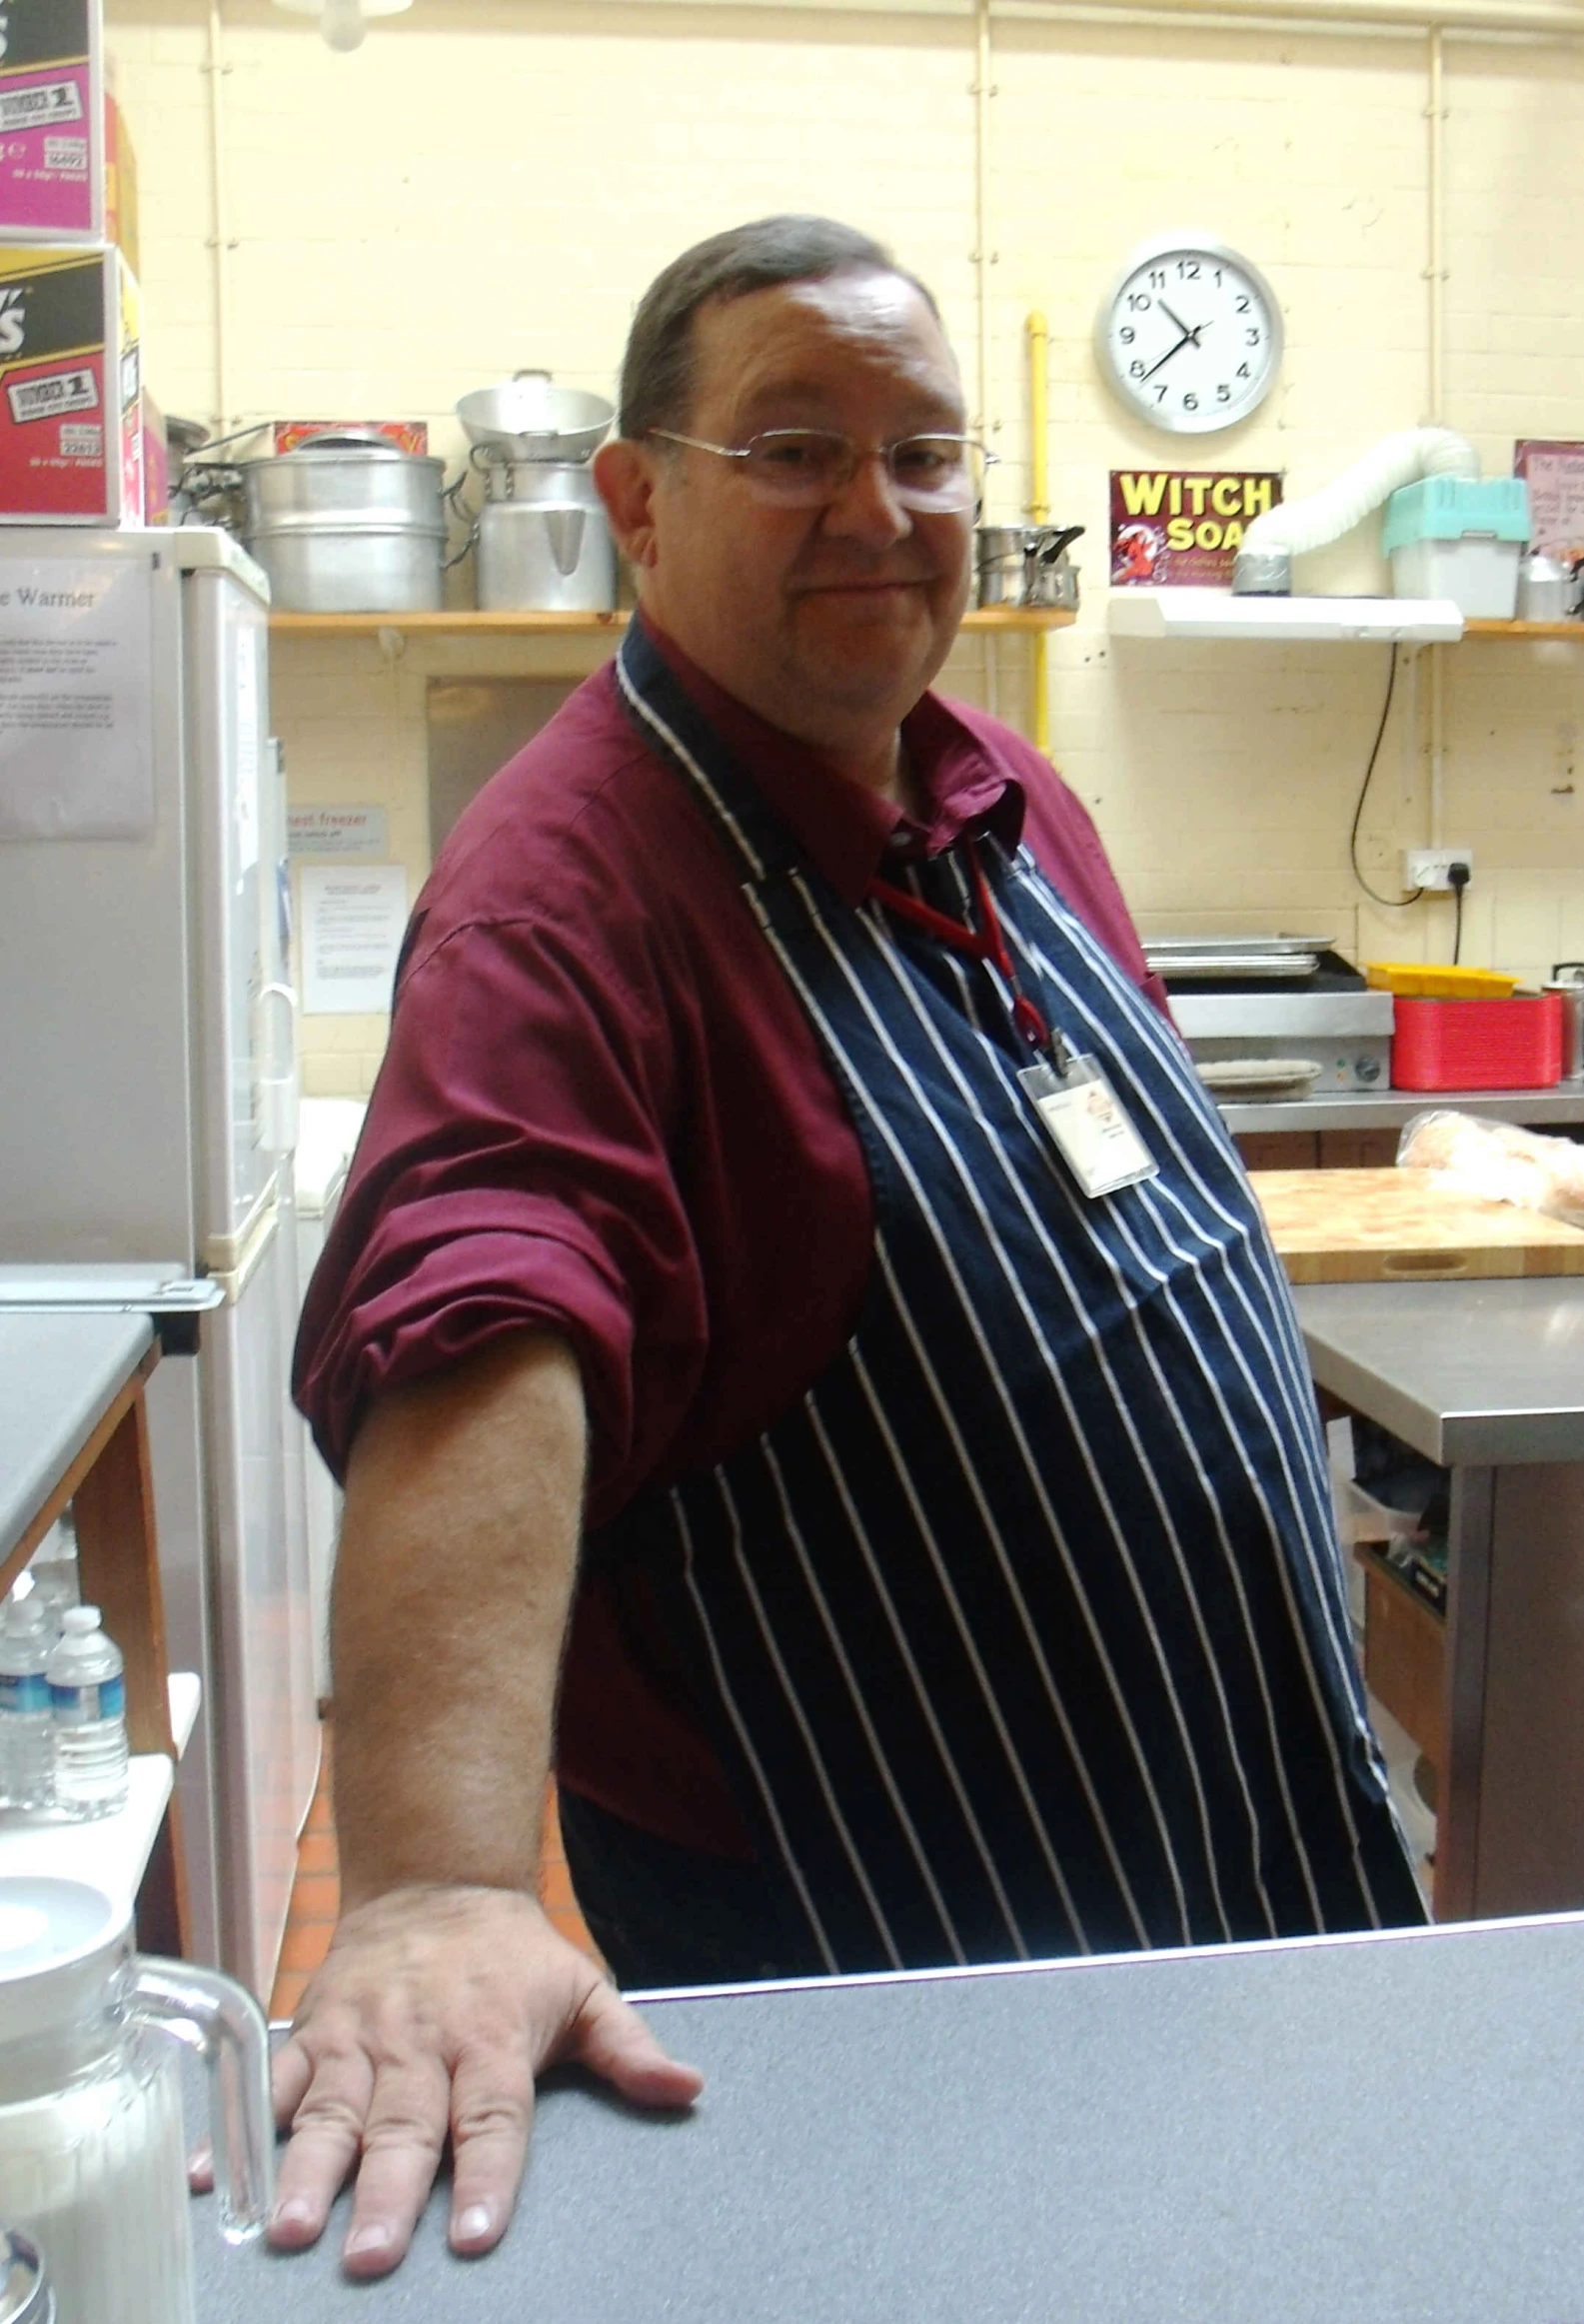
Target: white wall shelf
1217, 613
111, 1853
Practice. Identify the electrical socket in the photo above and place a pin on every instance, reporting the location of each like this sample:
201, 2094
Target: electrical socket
1432, 867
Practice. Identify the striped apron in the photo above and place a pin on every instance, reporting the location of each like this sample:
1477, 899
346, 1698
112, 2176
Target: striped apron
1024, 1631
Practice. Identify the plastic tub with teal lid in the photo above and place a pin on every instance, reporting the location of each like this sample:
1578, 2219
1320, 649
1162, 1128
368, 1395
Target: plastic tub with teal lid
1462, 538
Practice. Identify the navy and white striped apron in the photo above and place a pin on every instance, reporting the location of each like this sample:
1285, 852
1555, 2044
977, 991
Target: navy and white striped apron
1024, 1631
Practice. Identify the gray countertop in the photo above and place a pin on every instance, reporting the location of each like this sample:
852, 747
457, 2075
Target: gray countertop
1381, 2130
1468, 1372
58, 1371
1390, 1109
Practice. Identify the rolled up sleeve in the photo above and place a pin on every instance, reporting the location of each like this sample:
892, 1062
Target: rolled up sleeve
514, 1174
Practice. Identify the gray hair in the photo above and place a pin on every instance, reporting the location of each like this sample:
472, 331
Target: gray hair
658, 368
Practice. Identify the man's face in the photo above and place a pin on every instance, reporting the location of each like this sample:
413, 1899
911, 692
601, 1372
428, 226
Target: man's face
830, 622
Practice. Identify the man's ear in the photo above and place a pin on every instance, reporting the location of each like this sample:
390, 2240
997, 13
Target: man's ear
625, 474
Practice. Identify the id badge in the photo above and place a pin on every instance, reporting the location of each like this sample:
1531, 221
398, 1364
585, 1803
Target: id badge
1084, 1122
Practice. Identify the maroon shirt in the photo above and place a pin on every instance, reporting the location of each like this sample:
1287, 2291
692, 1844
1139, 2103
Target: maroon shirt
603, 1113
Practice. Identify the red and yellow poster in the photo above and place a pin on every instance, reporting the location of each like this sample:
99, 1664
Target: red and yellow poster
1182, 527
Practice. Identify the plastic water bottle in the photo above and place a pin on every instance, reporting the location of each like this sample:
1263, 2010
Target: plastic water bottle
53, 1568
87, 1703
27, 1728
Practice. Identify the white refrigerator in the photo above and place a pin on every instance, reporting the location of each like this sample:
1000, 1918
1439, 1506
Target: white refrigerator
147, 1116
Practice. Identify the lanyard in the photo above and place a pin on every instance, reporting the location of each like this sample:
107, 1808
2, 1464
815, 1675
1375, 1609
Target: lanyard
986, 942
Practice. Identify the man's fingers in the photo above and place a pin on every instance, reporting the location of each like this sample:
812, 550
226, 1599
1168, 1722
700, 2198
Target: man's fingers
291, 2071
492, 2114
610, 2039
402, 2141
327, 2131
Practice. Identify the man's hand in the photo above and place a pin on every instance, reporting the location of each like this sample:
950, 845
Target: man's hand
434, 2012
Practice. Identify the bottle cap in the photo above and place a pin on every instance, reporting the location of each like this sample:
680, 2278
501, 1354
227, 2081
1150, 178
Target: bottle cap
31, 1613
79, 1620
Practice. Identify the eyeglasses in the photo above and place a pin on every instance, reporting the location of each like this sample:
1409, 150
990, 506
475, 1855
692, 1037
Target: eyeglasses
804, 467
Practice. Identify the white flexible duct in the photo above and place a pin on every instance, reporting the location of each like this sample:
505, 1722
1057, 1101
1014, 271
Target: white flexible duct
1323, 516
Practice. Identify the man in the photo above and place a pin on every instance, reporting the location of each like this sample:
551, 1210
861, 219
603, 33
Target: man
783, 1175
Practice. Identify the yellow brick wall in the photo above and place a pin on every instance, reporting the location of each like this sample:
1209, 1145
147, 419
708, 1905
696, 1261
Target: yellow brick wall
491, 182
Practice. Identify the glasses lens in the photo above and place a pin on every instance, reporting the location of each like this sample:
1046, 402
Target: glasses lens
800, 467
937, 472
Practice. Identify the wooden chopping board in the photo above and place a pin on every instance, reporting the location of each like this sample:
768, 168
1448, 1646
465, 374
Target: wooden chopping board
1368, 1227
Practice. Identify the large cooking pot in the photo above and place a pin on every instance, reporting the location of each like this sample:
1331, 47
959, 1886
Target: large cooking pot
1027, 564
544, 540
528, 418
343, 525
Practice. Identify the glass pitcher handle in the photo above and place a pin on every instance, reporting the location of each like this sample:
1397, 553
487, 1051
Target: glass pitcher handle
225, 2025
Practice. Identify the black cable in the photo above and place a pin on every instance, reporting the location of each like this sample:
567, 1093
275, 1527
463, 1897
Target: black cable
1392, 902
1458, 878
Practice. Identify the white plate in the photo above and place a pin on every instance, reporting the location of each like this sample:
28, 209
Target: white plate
1261, 1076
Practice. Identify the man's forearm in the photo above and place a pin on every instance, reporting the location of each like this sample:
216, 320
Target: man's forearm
454, 1577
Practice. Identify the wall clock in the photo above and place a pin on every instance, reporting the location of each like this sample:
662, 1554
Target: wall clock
1189, 335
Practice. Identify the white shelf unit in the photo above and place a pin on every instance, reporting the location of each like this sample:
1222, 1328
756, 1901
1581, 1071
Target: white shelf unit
111, 1853
1216, 613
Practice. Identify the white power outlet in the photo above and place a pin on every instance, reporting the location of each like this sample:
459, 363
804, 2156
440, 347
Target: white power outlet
1432, 867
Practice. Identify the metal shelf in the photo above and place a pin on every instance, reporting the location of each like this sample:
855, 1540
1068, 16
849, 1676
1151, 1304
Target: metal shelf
463, 623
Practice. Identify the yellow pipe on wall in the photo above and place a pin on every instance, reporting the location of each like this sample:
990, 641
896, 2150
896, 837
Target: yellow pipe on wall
1039, 500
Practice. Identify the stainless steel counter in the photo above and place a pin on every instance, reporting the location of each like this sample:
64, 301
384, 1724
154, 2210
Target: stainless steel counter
57, 1375
1381, 2130
1488, 1380
1473, 1373
1390, 1109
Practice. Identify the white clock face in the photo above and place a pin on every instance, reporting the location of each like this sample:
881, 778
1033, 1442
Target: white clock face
1190, 335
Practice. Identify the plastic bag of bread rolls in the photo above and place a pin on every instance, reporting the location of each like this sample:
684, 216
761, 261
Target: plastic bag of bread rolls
1494, 1161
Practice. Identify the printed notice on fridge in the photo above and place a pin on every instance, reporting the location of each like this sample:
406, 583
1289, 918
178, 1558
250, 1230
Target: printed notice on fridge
352, 923
76, 709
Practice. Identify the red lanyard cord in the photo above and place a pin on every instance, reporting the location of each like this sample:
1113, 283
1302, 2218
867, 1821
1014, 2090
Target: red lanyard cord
983, 944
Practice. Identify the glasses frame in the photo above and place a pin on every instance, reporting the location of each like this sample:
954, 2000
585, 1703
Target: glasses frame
906, 494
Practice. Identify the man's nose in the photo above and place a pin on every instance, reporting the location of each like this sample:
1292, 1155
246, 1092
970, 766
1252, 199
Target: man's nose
867, 508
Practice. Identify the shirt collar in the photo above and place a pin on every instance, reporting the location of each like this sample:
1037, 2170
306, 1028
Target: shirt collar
847, 831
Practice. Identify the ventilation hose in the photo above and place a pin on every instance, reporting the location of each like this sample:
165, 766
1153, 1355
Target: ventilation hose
1264, 563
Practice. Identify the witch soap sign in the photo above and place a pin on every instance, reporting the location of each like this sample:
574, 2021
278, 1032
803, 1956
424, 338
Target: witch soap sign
1182, 527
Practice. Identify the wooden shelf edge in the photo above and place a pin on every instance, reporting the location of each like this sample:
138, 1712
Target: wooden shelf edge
1572, 632
546, 624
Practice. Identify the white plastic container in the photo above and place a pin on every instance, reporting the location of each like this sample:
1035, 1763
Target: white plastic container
1480, 576
1459, 537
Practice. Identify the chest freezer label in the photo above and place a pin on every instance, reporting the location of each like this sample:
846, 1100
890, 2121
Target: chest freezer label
76, 698
336, 831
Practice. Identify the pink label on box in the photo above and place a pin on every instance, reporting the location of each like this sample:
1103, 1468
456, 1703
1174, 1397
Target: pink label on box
47, 151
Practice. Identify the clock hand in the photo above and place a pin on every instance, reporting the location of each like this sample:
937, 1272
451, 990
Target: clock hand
1193, 337
1167, 358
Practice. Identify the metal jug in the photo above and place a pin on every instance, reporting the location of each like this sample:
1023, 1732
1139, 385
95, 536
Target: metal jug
1027, 564
543, 539
93, 2150
1567, 978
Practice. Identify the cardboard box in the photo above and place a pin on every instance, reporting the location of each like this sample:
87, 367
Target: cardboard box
70, 389
66, 167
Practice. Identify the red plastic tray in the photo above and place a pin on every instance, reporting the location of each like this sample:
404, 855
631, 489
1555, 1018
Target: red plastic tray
1477, 1045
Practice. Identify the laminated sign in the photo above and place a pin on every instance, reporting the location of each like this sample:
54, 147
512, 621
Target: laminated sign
1182, 527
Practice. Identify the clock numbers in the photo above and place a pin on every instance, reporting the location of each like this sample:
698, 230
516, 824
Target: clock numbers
1190, 335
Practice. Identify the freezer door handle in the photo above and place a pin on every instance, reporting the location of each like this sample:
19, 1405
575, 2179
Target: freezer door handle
278, 1089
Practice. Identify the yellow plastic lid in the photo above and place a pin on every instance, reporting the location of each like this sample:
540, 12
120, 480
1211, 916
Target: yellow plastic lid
1438, 981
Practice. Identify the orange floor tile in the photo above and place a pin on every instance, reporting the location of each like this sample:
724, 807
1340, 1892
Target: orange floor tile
315, 1895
